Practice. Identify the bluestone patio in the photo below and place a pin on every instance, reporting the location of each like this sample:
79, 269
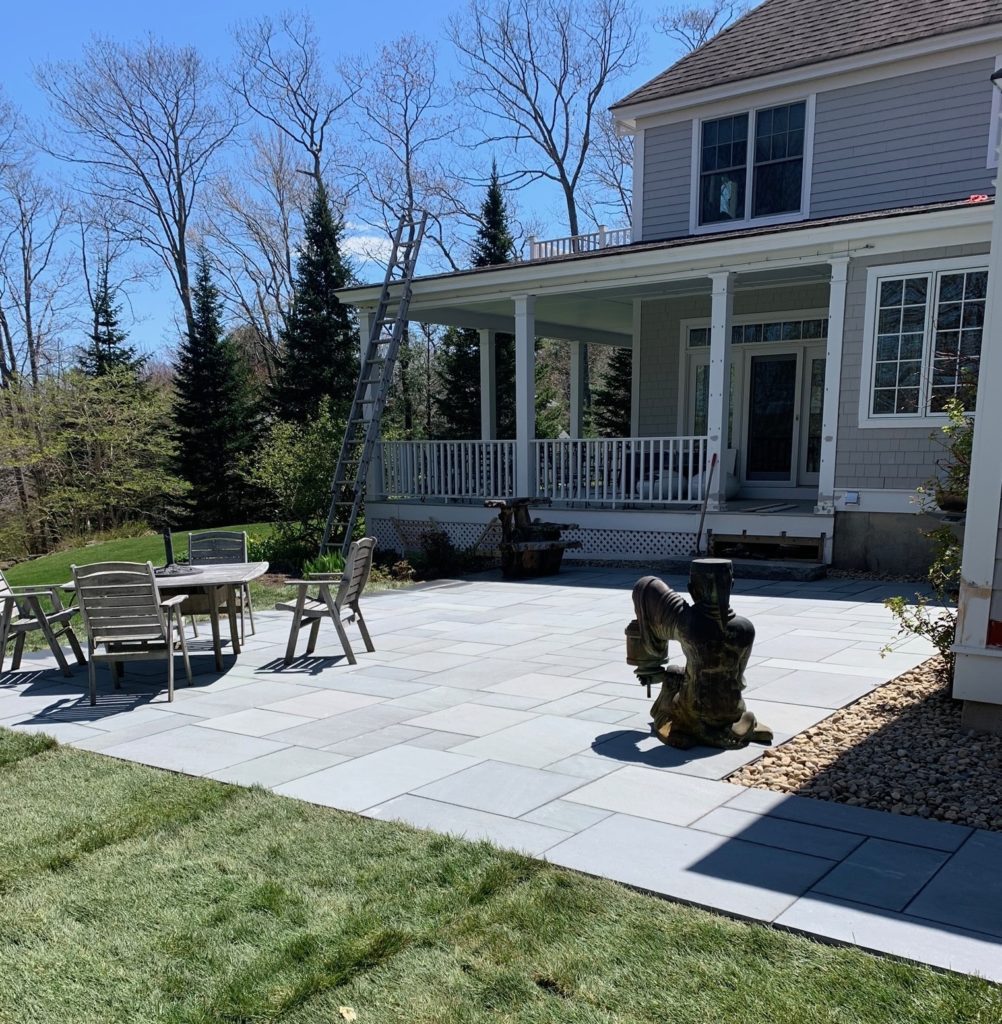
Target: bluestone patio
506, 711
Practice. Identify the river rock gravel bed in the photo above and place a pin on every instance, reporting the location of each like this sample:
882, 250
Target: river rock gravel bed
901, 748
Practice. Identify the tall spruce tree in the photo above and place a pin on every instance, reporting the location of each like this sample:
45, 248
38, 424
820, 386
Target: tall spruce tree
215, 412
459, 356
106, 351
612, 398
319, 361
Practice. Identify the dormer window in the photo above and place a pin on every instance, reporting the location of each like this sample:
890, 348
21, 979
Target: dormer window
751, 165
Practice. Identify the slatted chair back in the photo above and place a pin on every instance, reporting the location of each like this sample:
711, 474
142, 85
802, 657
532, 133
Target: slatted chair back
5, 591
120, 603
217, 547
357, 566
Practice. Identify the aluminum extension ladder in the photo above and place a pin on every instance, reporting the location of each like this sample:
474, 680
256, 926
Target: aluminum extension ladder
361, 435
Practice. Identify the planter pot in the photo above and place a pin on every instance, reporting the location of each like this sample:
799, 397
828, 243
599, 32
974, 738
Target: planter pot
949, 501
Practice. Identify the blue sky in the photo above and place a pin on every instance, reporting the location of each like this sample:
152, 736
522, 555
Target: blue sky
34, 34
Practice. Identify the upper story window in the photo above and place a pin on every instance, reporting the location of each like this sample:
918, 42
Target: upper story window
752, 165
923, 340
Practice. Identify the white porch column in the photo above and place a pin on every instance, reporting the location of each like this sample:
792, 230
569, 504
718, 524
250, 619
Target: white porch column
722, 305
635, 366
488, 387
525, 393
833, 381
579, 356
977, 677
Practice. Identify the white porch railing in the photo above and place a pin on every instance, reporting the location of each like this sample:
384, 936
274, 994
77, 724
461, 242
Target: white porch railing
448, 469
616, 471
592, 242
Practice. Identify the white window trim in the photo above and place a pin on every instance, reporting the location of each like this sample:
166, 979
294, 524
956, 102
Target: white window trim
873, 278
994, 126
695, 228
688, 356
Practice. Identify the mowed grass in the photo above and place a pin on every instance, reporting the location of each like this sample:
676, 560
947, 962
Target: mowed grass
130, 894
55, 568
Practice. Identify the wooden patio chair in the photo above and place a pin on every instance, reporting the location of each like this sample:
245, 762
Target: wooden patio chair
127, 620
310, 611
22, 612
223, 547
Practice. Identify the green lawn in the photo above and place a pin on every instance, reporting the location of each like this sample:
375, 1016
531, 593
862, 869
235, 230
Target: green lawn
55, 568
130, 894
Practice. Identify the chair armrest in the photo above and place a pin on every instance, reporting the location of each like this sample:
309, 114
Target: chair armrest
302, 583
172, 602
35, 591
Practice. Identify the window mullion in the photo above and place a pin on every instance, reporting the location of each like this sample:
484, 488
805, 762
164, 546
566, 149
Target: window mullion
929, 343
750, 162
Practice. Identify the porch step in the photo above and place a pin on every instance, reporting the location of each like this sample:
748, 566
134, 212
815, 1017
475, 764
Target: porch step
757, 569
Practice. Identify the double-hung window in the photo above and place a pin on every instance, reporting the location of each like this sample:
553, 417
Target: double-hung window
752, 165
924, 338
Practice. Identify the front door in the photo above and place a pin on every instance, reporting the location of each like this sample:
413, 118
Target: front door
773, 417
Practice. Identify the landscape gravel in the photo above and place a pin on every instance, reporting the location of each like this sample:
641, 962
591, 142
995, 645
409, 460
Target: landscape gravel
901, 748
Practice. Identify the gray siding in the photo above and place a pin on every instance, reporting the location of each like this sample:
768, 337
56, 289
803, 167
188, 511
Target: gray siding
661, 337
880, 457
667, 170
918, 138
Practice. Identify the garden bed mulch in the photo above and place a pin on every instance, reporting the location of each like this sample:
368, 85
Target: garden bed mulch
901, 748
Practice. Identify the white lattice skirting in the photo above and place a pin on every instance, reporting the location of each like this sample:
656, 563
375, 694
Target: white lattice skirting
401, 535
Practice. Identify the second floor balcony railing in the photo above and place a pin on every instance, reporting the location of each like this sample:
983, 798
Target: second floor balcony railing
604, 238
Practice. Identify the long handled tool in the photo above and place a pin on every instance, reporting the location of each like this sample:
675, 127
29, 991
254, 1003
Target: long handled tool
706, 499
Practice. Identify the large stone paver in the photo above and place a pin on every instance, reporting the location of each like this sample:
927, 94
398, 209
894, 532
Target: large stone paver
505, 711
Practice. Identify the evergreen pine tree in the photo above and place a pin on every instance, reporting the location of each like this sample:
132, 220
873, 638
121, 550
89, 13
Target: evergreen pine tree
215, 412
459, 357
612, 398
319, 361
106, 350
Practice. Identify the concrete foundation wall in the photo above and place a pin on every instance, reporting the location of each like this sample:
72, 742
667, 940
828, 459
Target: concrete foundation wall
891, 542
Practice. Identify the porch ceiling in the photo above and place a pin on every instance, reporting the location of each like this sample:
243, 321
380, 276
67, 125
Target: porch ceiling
602, 316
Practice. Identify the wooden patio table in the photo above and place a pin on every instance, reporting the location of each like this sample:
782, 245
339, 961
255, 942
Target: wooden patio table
219, 585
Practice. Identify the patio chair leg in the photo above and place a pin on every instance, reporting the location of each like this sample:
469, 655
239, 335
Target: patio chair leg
250, 608
74, 643
362, 628
184, 647
118, 672
335, 614
297, 625
170, 672
5, 618
314, 634
194, 626
92, 677
43, 624
18, 651
345, 643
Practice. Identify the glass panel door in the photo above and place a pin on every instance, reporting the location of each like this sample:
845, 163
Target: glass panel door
772, 416
814, 401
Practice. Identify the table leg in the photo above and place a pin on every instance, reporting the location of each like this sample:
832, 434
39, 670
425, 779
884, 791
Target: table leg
231, 608
5, 617
214, 595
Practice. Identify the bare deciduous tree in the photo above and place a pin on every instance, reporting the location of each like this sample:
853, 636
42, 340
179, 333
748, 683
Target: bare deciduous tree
408, 125
608, 178
690, 27
253, 223
537, 71
146, 122
35, 275
280, 75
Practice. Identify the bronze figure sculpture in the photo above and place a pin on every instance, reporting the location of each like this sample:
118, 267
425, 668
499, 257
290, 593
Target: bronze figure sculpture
700, 704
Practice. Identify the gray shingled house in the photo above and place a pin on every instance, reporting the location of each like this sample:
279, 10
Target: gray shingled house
802, 286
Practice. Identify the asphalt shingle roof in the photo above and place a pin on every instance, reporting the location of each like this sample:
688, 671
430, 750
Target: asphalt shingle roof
783, 34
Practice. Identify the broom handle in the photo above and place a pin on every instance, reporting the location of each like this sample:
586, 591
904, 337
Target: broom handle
706, 499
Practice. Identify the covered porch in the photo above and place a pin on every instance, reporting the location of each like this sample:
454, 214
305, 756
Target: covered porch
734, 400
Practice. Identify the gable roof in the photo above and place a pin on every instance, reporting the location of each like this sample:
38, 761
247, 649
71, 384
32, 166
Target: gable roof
782, 34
